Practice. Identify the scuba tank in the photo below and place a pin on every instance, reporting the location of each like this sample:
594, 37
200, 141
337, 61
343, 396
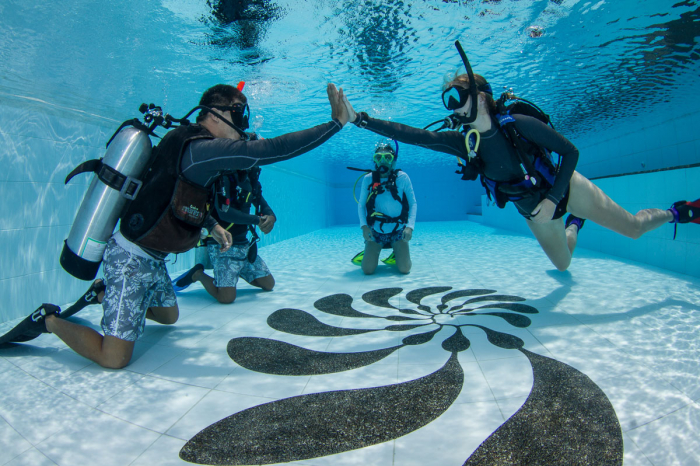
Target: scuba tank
115, 182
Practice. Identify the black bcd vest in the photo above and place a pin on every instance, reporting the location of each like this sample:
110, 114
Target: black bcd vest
169, 211
378, 187
238, 190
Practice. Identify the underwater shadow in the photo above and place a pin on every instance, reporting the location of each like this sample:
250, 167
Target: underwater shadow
640, 311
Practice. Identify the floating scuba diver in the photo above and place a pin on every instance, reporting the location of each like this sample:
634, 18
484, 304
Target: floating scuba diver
235, 194
509, 147
387, 210
163, 198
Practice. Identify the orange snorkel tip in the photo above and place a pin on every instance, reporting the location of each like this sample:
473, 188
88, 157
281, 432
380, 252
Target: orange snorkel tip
241, 85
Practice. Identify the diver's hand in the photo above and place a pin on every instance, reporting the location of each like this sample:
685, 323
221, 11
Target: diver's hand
544, 211
367, 233
352, 114
407, 234
222, 236
267, 222
337, 99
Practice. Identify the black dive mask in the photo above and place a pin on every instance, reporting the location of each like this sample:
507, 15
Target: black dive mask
455, 97
240, 114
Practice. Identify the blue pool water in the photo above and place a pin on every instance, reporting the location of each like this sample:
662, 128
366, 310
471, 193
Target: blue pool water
619, 79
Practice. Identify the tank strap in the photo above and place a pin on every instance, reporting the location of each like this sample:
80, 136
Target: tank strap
128, 187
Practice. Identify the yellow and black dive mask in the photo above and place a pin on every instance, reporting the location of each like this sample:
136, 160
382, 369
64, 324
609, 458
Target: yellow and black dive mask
384, 157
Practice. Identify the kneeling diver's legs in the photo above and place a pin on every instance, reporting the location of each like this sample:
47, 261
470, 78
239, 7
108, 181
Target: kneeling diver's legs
402, 255
371, 257
267, 282
224, 294
588, 201
257, 274
226, 269
163, 315
107, 351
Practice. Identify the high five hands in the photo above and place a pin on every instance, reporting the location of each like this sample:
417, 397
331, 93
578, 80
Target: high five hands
341, 108
352, 115
337, 99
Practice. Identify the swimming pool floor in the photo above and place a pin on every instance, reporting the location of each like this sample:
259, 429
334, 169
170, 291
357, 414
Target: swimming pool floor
483, 354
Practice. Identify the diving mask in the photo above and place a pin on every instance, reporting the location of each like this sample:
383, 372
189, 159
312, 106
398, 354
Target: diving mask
455, 97
240, 114
383, 158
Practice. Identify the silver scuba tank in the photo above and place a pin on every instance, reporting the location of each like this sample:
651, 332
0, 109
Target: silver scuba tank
116, 180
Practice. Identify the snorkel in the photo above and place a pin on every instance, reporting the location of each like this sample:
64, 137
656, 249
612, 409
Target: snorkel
473, 91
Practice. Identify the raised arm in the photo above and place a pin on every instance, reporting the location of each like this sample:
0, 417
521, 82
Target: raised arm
449, 142
204, 159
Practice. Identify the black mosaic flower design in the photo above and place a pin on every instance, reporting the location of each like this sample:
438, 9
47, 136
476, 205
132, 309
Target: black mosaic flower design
566, 417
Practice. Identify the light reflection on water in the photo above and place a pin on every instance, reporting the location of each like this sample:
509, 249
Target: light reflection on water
589, 64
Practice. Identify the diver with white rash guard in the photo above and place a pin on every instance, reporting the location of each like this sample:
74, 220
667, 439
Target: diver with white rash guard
387, 209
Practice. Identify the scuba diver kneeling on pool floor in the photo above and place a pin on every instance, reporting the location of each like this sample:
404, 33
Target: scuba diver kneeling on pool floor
169, 203
235, 194
387, 210
510, 151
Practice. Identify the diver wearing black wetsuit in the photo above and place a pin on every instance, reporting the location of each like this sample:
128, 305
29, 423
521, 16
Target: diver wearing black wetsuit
204, 160
500, 159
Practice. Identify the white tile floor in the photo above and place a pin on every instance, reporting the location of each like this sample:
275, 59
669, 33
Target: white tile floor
631, 328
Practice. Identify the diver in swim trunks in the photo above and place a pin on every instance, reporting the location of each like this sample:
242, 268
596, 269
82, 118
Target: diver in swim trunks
136, 282
236, 194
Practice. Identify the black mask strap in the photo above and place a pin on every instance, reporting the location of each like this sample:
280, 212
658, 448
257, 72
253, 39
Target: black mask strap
245, 136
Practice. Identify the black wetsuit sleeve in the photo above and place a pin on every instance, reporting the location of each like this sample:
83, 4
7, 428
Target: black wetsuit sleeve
210, 222
265, 208
204, 159
449, 142
545, 136
239, 218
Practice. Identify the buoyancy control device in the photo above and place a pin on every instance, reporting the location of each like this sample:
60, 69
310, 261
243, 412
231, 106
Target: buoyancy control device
378, 187
117, 180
